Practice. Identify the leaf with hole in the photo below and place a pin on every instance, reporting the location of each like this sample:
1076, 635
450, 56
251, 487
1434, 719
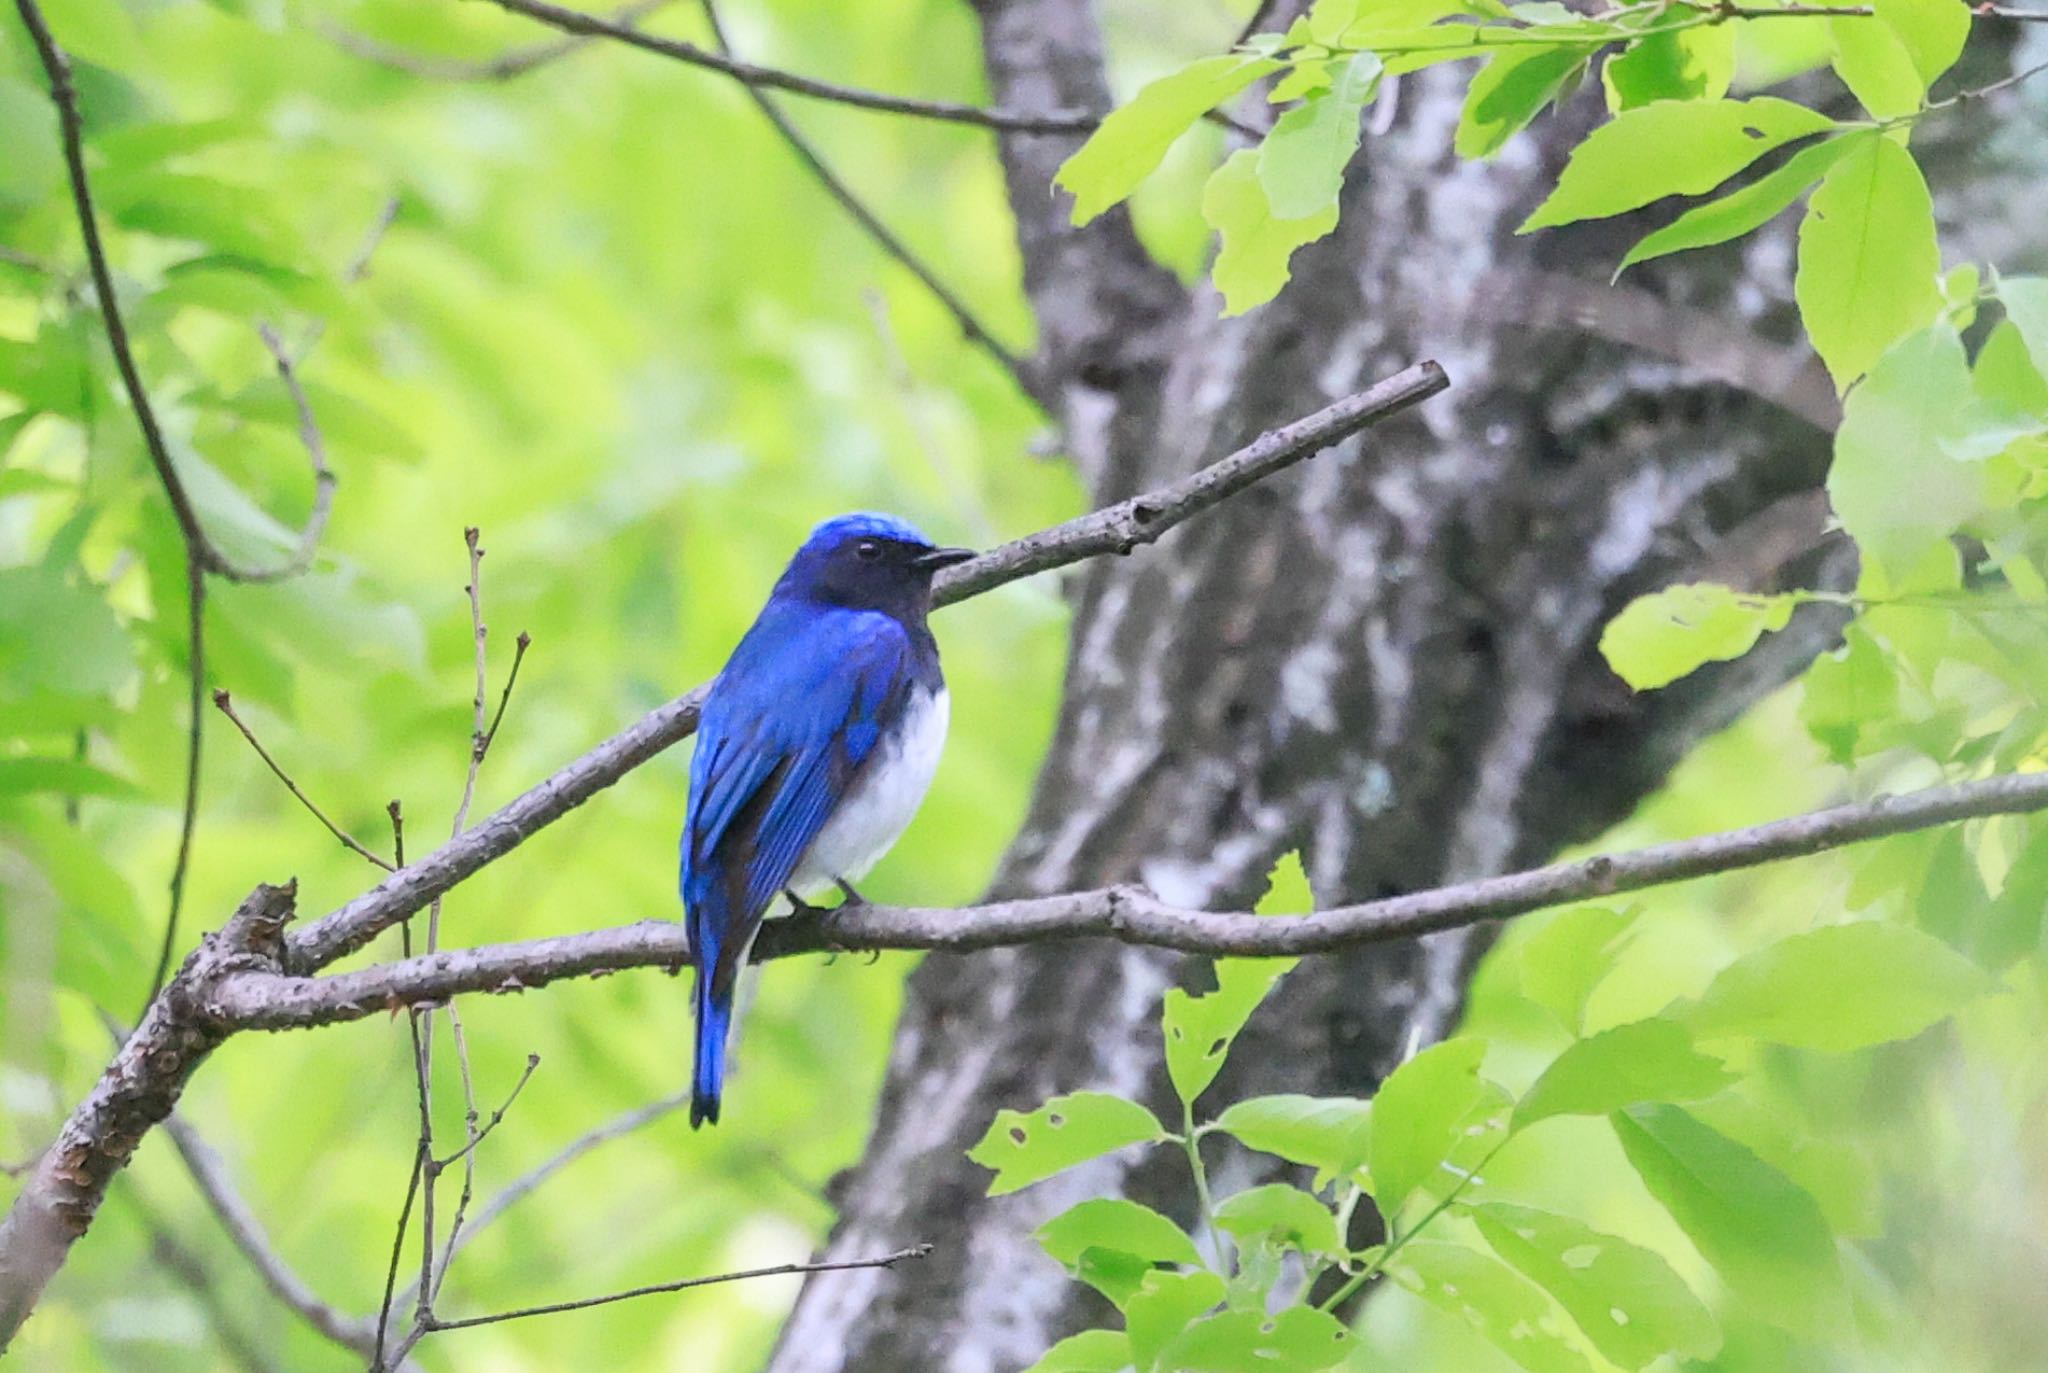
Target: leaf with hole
1669, 634
1023, 1148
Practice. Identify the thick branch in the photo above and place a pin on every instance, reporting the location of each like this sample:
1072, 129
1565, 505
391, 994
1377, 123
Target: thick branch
771, 78
271, 1001
1118, 528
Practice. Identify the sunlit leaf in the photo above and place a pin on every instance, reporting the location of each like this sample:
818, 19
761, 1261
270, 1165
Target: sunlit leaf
1299, 1339
1091, 1351
1868, 266
1624, 1297
1672, 147
1417, 1117
1023, 1148
1748, 208
1875, 65
1114, 1223
1840, 987
1251, 265
1646, 1060
1508, 92
1493, 1299
1302, 162
1765, 1235
1200, 1027
1663, 636
1567, 956
1331, 1134
1285, 1213
1134, 138
1167, 1305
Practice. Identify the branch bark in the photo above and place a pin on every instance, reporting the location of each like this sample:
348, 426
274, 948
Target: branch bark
263, 1000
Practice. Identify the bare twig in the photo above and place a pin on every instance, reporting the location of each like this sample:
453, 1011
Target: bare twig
514, 62
497, 1116
1120, 528
970, 325
195, 738
1727, 10
316, 451
519, 647
226, 705
751, 74
916, 1251
1129, 914
378, 1363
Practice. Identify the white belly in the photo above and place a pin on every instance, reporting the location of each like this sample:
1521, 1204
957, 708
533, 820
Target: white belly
875, 813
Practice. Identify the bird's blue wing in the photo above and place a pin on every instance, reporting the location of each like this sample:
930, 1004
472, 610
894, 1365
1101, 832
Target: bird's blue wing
800, 707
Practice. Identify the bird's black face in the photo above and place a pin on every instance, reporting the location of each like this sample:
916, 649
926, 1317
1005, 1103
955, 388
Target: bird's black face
872, 571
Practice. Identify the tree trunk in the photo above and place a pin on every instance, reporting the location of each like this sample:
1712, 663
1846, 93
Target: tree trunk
1385, 658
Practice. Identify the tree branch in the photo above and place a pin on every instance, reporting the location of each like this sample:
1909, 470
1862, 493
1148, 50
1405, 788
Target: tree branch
272, 1001
771, 78
1118, 528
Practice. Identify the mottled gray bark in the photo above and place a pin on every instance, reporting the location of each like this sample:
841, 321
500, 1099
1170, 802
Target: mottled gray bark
1386, 658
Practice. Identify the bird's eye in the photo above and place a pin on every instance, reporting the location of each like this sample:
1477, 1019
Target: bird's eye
867, 550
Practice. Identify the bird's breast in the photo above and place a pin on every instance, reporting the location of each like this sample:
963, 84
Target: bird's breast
884, 797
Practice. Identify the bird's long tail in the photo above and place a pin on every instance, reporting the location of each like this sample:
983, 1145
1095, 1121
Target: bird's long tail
714, 1018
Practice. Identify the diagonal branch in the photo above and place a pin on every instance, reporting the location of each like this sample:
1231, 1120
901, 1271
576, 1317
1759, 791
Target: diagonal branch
271, 1001
514, 62
771, 78
1119, 528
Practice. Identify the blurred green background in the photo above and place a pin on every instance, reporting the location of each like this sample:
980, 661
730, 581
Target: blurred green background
614, 325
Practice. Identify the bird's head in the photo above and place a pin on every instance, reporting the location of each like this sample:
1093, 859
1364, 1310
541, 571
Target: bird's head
868, 561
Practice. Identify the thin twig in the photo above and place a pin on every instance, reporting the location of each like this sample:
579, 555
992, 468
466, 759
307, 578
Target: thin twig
195, 738
316, 451
519, 647
514, 62
226, 705
271, 1001
497, 1116
378, 1363
531, 1180
1727, 10
970, 325
751, 74
916, 1251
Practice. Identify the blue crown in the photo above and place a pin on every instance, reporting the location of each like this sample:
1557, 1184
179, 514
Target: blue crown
865, 524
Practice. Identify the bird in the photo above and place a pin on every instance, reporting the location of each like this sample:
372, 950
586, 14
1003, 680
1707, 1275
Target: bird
816, 745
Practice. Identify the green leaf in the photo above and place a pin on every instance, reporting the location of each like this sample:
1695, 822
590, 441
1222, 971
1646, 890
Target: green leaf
1628, 1301
1931, 31
1251, 265
1331, 1134
1166, 1305
100, 31
1564, 959
1673, 147
1416, 1117
1840, 987
1753, 206
1493, 1299
1286, 1213
1302, 162
2006, 374
1508, 92
1132, 140
1875, 65
239, 221
1659, 638
1902, 431
1299, 1339
1123, 1226
2026, 308
1766, 1236
1199, 1029
60, 638
1647, 1060
69, 777
1683, 64
1847, 692
1869, 268
1091, 1351
1024, 1148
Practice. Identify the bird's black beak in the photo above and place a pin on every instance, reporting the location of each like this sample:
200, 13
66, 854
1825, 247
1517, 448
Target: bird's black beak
932, 559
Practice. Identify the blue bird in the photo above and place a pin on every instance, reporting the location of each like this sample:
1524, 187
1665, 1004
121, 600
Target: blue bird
816, 745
